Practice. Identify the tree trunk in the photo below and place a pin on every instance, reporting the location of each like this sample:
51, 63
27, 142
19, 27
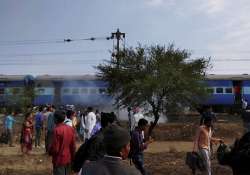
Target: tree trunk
153, 124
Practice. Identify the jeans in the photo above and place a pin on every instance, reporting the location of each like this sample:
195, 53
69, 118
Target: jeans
38, 137
205, 155
48, 140
10, 136
62, 170
247, 127
138, 160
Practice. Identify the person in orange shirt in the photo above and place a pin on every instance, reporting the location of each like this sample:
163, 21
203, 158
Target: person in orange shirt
203, 141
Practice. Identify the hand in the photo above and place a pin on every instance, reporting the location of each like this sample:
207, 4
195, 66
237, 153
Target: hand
221, 141
149, 141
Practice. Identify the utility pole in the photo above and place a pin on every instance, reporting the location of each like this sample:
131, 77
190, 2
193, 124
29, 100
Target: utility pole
118, 36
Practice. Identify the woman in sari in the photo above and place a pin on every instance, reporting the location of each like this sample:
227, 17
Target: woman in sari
26, 137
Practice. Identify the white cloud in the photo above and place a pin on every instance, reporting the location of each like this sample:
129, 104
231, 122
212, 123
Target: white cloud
158, 3
214, 6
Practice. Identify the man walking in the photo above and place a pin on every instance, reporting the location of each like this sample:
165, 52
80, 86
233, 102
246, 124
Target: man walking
62, 148
90, 122
138, 145
203, 141
38, 126
9, 122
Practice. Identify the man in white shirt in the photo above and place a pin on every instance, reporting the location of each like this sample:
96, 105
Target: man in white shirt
244, 104
90, 122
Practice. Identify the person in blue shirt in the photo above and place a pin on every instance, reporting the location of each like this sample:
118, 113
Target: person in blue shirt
8, 124
50, 127
38, 127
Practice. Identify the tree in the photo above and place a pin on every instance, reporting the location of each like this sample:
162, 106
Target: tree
157, 78
22, 98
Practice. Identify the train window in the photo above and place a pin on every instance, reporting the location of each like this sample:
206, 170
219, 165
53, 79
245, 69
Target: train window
66, 90
92, 91
102, 91
1, 91
219, 90
40, 91
84, 90
228, 90
210, 90
75, 91
246, 90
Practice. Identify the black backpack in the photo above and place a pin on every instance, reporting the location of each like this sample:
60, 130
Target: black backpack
194, 161
4, 138
223, 154
81, 155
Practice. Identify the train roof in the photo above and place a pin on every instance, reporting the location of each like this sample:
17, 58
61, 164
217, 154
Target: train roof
48, 77
66, 77
227, 77
93, 77
11, 77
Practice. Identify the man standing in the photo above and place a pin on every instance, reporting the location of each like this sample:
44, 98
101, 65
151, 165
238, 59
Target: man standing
62, 148
50, 127
9, 121
90, 122
116, 141
138, 145
246, 120
38, 126
203, 141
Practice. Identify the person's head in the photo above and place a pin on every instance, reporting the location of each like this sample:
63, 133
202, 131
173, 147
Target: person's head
28, 116
69, 114
117, 141
208, 122
14, 113
52, 108
107, 119
89, 109
142, 124
40, 109
59, 116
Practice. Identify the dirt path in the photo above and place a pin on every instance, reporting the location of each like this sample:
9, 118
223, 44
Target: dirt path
160, 158
179, 146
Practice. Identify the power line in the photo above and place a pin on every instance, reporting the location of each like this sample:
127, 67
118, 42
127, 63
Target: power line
51, 63
52, 53
56, 41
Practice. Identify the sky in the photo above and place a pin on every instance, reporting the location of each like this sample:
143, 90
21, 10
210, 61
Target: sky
32, 32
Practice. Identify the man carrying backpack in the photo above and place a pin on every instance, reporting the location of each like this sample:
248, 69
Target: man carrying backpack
93, 149
203, 141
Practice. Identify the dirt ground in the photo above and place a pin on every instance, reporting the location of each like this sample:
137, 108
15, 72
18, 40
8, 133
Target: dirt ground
160, 159
165, 156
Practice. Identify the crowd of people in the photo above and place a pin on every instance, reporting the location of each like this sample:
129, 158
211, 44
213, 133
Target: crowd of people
104, 143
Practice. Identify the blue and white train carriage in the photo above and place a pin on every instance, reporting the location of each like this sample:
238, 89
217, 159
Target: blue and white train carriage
59, 90
226, 90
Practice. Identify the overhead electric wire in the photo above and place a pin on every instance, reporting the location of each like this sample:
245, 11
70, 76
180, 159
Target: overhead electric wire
65, 40
51, 53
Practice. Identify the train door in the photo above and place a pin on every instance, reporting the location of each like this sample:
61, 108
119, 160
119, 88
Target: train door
237, 86
57, 93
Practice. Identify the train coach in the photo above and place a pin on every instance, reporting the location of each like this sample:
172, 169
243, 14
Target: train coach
226, 91
59, 90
